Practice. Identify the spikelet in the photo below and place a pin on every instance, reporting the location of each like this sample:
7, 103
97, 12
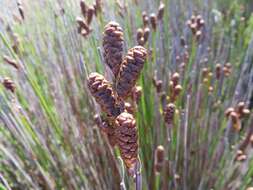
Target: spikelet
102, 91
130, 70
127, 139
113, 42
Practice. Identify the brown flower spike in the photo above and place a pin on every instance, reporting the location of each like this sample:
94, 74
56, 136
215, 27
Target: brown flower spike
102, 91
113, 42
130, 70
127, 136
169, 112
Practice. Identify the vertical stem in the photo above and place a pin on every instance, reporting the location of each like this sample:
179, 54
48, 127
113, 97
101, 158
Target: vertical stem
185, 142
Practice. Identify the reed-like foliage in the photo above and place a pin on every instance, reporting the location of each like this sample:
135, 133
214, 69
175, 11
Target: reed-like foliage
192, 102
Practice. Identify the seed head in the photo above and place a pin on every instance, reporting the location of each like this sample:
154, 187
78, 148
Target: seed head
113, 42
90, 13
169, 112
102, 91
83, 8
218, 71
130, 70
153, 21
159, 158
127, 139
145, 19
160, 11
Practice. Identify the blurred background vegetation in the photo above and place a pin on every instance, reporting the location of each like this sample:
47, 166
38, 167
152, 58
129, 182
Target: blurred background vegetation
48, 136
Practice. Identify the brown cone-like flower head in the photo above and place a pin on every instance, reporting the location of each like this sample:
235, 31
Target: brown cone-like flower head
113, 42
169, 112
127, 139
130, 70
102, 91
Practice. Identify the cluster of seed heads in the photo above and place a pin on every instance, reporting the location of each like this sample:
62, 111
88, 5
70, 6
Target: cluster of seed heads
153, 18
226, 70
196, 23
144, 32
87, 12
119, 123
236, 114
142, 36
175, 87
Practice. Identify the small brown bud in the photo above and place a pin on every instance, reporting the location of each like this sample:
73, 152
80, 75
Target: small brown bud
153, 21
178, 89
82, 24
146, 34
83, 8
139, 33
175, 78
90, 13
21, 11
145, 19
160, 11
11, 62
182, 41
9, 84
218, 71
205, 72
159, 158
